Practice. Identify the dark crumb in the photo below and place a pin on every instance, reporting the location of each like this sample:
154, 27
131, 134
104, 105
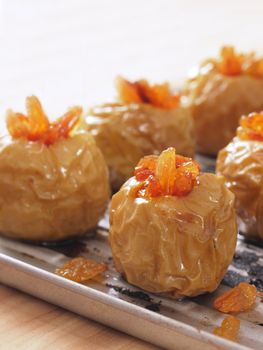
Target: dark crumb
97, 250
154, 307
256, 270
110, 258
244, 259
71, 250
131, 293
232, 278
251, 243
32, 257
28, 256
258, 283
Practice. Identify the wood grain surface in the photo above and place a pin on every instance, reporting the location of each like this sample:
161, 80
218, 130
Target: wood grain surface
69, 52
29, 323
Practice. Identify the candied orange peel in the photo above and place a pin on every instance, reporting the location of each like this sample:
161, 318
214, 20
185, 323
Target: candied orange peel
232, 63
141, 91
81, 269
35, 126
238, 299
251, 127
168, 174
229, 328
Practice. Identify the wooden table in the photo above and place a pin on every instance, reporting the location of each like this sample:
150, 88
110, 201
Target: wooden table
29, 323
68, 52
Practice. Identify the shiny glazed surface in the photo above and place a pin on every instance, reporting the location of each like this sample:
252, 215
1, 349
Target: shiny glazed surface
217, 102
241, 163
177, 246
126, 133
51, 192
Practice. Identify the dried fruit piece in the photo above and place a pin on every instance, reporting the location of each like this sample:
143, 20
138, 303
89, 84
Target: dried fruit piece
165, 171
62, 127
251, 127
238, 299
188, 164
141, 91
81, 269
229, 328
38, 121
33, 125
168, 174
153, 188
184, 183
254, 67
231, 63
128, 93
36, 126
145, 167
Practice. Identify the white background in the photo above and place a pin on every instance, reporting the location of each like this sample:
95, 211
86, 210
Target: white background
69, 51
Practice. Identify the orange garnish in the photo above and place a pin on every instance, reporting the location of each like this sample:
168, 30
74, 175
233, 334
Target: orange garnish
145, 167
168, 174
35, 126
238, 299
251, 127
81, 269
166, 169
229, 328
231, 63
141, 91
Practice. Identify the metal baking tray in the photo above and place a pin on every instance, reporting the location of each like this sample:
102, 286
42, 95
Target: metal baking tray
168, 323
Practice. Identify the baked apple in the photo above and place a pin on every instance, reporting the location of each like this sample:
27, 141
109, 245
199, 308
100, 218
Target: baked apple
173, 229
146, 120
53, 180
221, 91
241, 163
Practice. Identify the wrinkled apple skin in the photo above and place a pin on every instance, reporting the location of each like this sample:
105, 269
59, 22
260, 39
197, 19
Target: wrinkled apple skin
217, 102
50, 193
179, 246
241, 163
126, 133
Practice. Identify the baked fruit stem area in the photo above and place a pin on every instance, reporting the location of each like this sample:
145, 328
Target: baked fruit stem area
141, 91
35, 126
168, 174
251, 127
231, 63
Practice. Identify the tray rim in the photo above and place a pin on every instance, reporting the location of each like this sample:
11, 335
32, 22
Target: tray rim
104, 300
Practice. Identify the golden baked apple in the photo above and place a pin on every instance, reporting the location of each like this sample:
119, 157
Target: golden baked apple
172, 229
53, 180
241, 163
220, 93
147, 120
